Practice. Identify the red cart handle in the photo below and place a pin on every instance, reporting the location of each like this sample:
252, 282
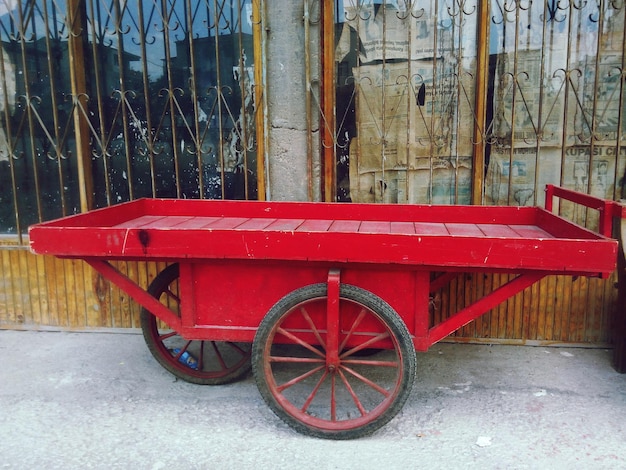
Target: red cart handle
607, 208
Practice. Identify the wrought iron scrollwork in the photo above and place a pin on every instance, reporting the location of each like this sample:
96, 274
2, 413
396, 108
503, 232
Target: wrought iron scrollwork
508, 7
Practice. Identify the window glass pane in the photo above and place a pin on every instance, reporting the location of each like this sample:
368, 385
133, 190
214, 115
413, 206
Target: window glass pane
165, 92
178, 117
405, 98
37, 146
556, 102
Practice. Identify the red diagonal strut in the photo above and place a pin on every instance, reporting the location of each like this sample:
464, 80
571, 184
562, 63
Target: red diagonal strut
466, 315
135, 291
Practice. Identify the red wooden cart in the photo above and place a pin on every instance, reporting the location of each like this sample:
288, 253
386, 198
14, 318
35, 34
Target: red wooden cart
330, 301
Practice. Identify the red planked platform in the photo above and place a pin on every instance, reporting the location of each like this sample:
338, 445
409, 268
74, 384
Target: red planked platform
319, 225
458, 237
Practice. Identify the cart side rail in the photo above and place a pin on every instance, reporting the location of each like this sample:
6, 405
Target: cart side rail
607, 209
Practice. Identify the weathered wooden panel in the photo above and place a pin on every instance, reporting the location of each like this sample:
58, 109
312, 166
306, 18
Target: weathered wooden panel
42, 291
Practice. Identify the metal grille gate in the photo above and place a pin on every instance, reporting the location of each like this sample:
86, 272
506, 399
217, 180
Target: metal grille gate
461, 101
106, 101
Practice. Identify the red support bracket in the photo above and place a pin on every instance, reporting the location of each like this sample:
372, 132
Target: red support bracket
466, 315
423, 289
332, 319
135, 291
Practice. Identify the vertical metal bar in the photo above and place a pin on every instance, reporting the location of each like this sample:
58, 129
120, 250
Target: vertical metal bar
218, 18
171, 97
459, 92
540, 124
410, 97
55, 109
620, 122
383, 106
242, 112
513, 101
146, 93
97, 90
260, 102
28, 108
10, 144
193, 84
596, 80
549, 197
358, 98
481, 83
78, 79
433, 99
566, 88
307, 98
123, 97
327, 98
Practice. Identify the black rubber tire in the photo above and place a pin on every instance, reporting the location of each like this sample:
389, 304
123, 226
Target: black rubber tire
237, 366
268, 386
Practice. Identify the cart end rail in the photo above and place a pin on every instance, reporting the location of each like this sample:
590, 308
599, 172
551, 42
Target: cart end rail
607, 209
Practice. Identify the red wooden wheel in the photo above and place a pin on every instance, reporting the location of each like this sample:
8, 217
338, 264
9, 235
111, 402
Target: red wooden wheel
199, 362
333, 394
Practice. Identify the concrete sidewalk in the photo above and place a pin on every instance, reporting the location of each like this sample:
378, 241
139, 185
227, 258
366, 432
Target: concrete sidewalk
99, 400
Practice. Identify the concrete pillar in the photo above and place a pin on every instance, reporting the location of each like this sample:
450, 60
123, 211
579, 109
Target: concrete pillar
288, 166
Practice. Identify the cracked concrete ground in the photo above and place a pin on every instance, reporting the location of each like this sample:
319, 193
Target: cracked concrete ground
99, 400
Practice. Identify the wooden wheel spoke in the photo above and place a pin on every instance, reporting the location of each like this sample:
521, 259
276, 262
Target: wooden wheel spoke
297, 360
167, 335
369, 362
333, 399
183, 350
366, 344
169, 293
352, 393
300, 341
309, 321
201, 356
357, 321
313, 393
236, 347
366, 381
299, 378
219, 356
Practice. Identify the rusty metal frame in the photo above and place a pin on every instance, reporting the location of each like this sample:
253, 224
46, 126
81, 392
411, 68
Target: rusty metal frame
482, 72
77, 22
328, 101
259, 21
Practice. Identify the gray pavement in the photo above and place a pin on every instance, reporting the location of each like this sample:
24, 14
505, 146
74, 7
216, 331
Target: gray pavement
99, 400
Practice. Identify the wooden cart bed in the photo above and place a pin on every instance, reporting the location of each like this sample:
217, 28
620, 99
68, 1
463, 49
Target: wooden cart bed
463, 237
